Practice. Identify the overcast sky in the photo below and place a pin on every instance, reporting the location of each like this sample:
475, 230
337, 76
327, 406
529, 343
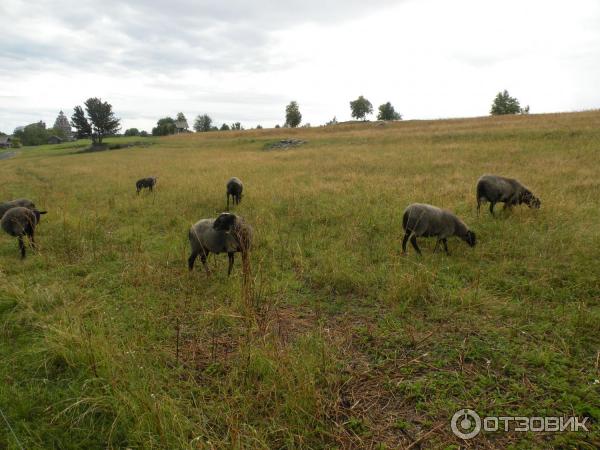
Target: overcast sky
245, 60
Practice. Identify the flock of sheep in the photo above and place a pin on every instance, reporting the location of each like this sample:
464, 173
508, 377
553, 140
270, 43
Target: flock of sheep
230, 233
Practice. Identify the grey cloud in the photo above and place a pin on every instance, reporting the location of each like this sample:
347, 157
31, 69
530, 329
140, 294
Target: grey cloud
167, 37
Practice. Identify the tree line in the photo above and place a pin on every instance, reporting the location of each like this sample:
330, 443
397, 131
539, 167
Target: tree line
98, 120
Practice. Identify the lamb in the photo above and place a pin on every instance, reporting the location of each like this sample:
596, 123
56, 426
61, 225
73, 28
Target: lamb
19, 202
234, 188
19, 222
495, 189
425, 220
142, 183
228, 233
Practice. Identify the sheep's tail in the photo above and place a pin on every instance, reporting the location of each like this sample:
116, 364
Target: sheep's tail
405, 219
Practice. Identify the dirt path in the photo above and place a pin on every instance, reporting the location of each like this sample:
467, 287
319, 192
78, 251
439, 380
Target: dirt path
7, 155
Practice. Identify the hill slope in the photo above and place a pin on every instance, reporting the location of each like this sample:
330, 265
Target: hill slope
108, 341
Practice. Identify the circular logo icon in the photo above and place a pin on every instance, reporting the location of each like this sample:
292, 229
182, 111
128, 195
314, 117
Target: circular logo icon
466, 423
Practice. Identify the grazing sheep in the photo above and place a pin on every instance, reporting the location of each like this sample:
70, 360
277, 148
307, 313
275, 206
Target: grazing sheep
234, 188
19, 202
149, 183
228, 233
425, 220
509, 191
19, 222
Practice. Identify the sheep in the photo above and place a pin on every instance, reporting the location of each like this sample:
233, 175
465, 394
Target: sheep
142, 183
495, 189
19, 202
425, 220
228, 233
234, 188
19, 222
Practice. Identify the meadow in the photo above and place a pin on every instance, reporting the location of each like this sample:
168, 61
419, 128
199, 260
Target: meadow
331, 338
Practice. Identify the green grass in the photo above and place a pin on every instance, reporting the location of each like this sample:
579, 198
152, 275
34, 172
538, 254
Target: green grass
339, 341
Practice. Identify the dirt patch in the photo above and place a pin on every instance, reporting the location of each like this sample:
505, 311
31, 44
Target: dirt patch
285, 144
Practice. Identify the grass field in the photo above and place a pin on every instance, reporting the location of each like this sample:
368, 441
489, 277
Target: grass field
339, 341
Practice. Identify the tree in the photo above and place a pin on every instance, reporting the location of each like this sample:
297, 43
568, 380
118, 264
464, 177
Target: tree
333, 121
143, 133
292, 115
224, 127
505, 104
236, 126
164, 127
132, 132
387, 112
83, 129
99, 120
203, 123
361, 107
102, 118
259, 127
33, 134
181, 116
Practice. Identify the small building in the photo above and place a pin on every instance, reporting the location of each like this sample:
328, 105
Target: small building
5, 142
181, 126
54, 140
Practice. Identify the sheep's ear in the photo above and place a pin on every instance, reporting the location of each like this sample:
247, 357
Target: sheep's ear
43, 212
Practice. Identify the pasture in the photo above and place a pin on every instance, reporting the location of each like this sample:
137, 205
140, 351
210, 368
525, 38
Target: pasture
333, 339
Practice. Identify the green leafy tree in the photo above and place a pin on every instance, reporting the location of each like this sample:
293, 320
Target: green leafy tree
98, 122
33, 134
236, 126
225, 127
132, 132
143, 133
361, 107
203, 123
181, 116
83, 129
505, 104
292, 115
102, 118
164, 127
259, 127
387, 112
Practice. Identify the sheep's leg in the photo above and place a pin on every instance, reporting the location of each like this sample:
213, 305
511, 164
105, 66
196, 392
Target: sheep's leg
404, 241
191, 260
22, 247
413, 241
492, 204
437, 244
478, 206
231, 258
445, 242
32, 239
203, 259
227, 201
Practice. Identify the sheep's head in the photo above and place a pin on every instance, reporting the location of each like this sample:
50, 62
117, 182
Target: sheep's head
530, 200
470, 238
225, 222
38, 214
